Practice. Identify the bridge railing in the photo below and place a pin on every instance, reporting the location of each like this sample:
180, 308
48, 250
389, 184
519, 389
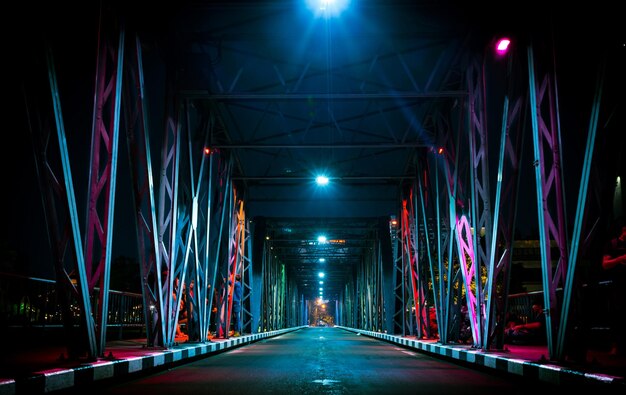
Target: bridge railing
33, 302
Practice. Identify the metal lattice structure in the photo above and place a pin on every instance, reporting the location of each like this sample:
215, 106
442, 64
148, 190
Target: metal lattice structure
420, 125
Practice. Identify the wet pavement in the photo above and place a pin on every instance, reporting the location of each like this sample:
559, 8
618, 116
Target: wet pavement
308, 360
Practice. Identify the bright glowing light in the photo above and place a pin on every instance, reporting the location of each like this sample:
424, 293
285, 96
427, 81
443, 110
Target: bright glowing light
322, 260
321, 282
440, 150
321, 239
207, 151
321, 274
502, 45
327, 8
321, 180
321, 289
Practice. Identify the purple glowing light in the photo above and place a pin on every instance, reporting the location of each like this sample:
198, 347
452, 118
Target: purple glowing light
502, 45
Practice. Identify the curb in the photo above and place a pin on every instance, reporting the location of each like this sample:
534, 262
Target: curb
58, 379
545, 372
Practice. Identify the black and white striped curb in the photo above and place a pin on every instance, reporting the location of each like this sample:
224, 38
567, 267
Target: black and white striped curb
59, 379
546, 372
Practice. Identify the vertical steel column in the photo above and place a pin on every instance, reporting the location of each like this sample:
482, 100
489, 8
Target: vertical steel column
459, 201
168, 216
387, 274
360, 299
246, 277
237, 253
548, 169
192, 226
369, 286
139, 156
428, 247
103, 175
578, 223
221, 206
228, 269
184, 230
447, 290
265, 293
452, 284
282, 297
102, 183
401, 297
379, 305
305, 311
293, 318
206, 267
349, 308
411, 262
258, 230
454, 171
504, 212
480, 206
274, 291
61, 216
84, 300
467, 260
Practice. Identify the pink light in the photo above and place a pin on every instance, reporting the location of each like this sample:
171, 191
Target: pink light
502, 45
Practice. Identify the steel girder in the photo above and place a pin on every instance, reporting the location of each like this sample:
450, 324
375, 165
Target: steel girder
247, 279
556, 272
550, 198
369, 280
434, 236
239, 263
138, 143
233, 262
94, 265
93, 261
483, 239
192, 191
200, 202
103, 175
418, 284
505, 206
274, 291
59, 204
212, 227
293, 308
347, 300
400, 290
436, 268
167, 219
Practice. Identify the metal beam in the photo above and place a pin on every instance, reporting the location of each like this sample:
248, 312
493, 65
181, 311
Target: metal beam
203, 94
352, 178
323, 146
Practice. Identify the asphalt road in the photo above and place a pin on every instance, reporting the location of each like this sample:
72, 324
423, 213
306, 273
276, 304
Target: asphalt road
321, 361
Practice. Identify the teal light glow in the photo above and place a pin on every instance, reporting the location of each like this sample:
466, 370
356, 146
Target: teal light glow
327, 8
